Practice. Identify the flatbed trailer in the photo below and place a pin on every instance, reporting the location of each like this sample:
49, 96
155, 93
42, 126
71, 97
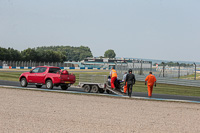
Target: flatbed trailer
96, 84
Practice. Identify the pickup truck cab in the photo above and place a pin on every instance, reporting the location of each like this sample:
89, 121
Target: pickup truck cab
49, 76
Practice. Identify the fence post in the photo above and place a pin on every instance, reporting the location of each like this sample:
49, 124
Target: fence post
179, 70
163, 69
141, 68
195, 71
121, 68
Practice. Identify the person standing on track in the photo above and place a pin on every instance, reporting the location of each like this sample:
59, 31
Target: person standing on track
125, 84
113, 75
130, 81
151, 79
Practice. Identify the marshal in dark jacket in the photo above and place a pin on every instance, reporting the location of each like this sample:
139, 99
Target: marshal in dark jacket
130, 79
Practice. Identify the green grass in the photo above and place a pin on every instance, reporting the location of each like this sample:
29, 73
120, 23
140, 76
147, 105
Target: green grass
10, 76
191, 77
168, 89
138, 87
14, 76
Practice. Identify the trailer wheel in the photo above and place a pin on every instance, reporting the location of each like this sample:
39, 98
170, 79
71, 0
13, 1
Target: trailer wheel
101, 90
87, 88
95, 89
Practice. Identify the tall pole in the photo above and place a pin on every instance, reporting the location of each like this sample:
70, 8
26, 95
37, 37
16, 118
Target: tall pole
141, 68
179, 69
195, 71
121, 69
163, 69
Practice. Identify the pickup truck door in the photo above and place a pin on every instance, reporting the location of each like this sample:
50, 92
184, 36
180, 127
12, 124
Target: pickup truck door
41, 75
32, 75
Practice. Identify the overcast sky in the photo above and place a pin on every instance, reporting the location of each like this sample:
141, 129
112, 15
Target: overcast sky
151, 29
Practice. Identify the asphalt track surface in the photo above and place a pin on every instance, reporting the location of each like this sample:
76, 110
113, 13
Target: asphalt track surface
135, 94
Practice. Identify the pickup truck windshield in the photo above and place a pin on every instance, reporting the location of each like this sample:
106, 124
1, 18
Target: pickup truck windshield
54, 70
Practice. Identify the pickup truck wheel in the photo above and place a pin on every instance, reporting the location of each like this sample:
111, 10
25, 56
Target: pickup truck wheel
23, 82
101, 90
64, 87
49, 84
87, 88
38, 86
95, 89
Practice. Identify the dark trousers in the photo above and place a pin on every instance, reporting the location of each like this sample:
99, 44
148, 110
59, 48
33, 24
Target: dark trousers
129, 87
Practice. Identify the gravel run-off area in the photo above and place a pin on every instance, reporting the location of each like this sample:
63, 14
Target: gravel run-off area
25, 111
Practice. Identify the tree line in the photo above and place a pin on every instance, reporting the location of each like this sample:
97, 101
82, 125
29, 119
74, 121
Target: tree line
60, 54
46, 54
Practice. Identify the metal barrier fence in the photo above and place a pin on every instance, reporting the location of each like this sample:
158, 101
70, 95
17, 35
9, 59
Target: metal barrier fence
144, 69
173, 81
33, 64
169, 79
138, 68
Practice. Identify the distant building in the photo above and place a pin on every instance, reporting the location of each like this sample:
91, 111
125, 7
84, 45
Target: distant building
101, 62
108, 62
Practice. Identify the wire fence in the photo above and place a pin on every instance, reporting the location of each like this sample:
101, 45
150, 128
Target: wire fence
161, 71
174, 80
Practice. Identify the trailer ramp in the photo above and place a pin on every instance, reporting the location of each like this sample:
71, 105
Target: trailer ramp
114, 91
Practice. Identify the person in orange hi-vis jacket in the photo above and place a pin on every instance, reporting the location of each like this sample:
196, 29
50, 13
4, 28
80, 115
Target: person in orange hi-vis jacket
124, 79
113, 76
151, 79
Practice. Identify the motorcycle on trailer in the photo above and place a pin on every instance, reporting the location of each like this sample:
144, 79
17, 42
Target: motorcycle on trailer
119, 85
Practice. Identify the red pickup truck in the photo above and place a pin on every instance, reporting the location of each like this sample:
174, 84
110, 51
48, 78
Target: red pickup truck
49, 76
